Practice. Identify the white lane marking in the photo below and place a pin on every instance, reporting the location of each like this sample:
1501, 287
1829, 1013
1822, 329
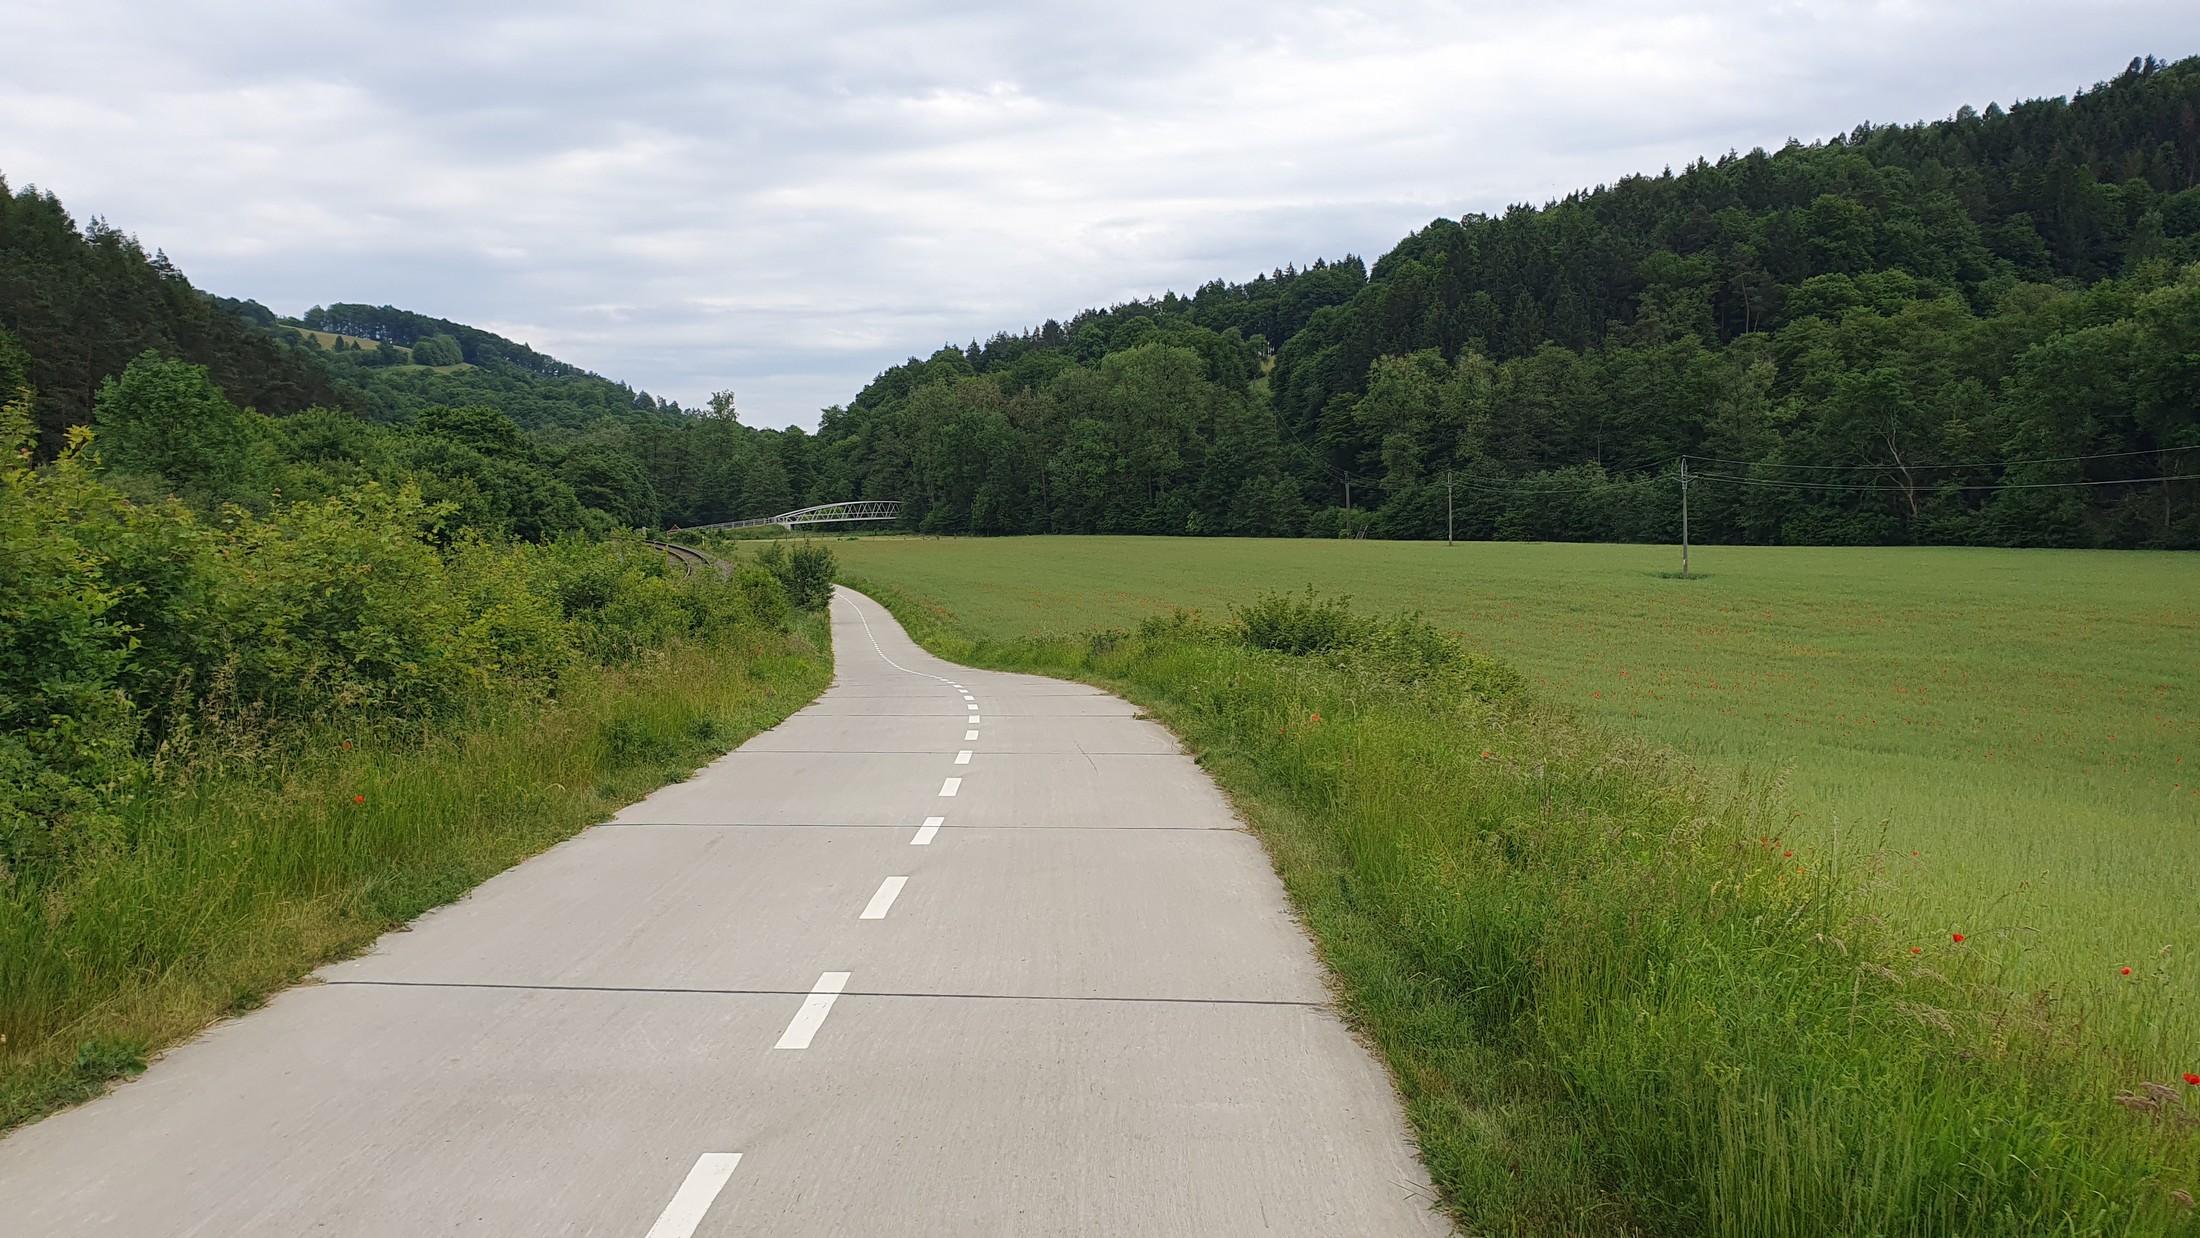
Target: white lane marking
969, 735
925, 832
814, 1009
951, 786
973, 719
695, 1195
875, 645
888, 891
963, 757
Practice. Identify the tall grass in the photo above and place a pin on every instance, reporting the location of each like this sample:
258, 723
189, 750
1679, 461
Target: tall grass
230, 885
1616, 996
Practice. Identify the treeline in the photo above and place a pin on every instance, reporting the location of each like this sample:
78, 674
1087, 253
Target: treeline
1854, 338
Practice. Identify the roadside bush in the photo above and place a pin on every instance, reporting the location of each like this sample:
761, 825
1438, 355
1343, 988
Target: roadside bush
141, 641
1299, 624
806, 572
762, 593
1404, 648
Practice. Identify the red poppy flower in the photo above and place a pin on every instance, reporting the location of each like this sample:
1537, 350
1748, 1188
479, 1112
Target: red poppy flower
1917, 949
2127, 971
2194, 1080
1787, 855
358, 799
1957, 936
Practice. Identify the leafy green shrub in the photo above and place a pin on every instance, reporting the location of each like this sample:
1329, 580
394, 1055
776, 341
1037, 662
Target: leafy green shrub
1304, 624
344, 605
167, 422
67, 729
807, 572
1404, 648
764, 596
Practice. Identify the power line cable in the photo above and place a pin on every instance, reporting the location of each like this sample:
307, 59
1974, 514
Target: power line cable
1845, 487
2015, 485
1990, 464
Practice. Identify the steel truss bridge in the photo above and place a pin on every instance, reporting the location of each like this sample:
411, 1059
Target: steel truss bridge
823, 513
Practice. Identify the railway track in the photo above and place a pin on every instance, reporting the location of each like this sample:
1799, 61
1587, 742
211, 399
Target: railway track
689, 559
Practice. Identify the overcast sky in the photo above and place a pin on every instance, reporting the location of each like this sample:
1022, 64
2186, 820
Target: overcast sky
784, 198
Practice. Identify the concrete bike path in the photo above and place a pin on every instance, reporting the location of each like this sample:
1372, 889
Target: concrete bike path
949, 952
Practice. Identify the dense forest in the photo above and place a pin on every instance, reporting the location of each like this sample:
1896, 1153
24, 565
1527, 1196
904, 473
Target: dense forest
1984, 329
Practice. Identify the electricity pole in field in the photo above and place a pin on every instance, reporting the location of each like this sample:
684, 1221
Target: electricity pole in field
1346, 478
1447, 507
1684, 517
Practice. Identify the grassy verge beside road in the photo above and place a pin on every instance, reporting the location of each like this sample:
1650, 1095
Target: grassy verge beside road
235, 886
1616, 996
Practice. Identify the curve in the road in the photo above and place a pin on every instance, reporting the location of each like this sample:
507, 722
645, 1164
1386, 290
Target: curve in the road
901, 965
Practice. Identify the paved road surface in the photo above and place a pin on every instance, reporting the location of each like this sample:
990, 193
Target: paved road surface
948, 953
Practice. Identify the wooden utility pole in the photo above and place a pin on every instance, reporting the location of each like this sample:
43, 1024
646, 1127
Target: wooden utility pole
1447, 507
1684, 517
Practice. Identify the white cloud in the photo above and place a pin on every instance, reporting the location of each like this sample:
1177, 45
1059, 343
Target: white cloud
783, 199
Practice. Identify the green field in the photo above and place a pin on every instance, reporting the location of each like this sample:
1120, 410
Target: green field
2024, 722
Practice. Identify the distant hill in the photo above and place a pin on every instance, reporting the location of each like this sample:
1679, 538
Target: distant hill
393, 364
520, 441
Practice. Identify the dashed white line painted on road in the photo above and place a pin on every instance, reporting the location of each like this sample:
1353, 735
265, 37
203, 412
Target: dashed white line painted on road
881, 902
963, 757
814, 1009
973, 719
951, 786
695, 1195
925, 832
969, 735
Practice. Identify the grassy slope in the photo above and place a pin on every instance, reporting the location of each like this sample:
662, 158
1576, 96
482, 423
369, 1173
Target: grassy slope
1612, 1004
2028, 722
242, 885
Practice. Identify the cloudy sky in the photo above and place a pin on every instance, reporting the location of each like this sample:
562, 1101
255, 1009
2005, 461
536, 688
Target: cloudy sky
784, 198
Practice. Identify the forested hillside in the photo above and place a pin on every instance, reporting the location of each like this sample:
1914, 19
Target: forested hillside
83, 302
1984, 329
518, 442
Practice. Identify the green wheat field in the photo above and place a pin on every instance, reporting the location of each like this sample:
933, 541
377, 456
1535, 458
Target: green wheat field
2014, 732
